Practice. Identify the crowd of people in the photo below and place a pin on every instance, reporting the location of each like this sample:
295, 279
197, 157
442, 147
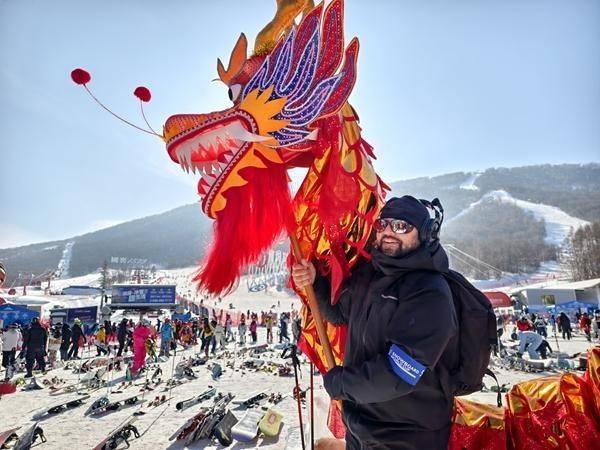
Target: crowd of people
531, 330
43, 344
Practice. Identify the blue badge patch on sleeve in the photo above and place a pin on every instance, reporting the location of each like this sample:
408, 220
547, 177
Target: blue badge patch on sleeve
404, 366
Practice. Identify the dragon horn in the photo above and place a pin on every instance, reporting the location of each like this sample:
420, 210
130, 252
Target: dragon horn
236, 60
287, 11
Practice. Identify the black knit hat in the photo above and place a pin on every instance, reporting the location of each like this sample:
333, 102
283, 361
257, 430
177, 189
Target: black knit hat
406, 208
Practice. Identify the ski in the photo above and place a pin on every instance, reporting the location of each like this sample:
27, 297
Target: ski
59, 407
189, 425
184, 404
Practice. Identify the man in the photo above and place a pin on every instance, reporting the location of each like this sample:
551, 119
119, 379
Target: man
76, 336
65, 342
400, 316
35, 344
585, 325
530, 341
11, 342
166, 337
122, 335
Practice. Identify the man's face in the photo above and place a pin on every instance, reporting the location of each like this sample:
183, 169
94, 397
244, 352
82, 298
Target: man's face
396, 244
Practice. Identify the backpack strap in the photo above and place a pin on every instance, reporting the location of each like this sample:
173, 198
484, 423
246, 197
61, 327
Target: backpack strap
489, 373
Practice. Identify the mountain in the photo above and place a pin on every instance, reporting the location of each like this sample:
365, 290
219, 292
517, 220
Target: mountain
537, 204
176, 238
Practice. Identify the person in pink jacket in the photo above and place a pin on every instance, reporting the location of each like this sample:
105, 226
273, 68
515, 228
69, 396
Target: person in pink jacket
142, 331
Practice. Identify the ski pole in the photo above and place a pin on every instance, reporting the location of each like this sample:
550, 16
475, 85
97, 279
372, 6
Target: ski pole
296, 363
312, 407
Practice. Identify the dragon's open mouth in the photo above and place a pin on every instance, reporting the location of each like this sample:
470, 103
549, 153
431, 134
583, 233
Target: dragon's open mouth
212, 146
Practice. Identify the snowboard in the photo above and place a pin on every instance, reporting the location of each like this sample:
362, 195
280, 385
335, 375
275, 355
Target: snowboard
26, 440
184, 404
189, 426
120, 434
222, 430
58, 407
106, 405
270, 425
8, 436
253, 399
246, 429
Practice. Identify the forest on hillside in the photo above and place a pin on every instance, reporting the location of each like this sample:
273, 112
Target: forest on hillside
500, 234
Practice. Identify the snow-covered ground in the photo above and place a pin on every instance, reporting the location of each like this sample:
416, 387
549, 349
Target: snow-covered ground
558, 222
62, 270
72, 429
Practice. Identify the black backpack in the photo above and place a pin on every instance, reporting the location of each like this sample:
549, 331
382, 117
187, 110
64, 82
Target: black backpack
477, 336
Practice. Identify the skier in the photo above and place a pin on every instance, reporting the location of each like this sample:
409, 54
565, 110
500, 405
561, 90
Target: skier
283, 329
269, 325
253, 330
242, 330
166, 337
565, 325
228, 328
35, 344
207, 335
219, 338
54, 343
101, 341
11, 342
296, 329
585, 325
523, 324
77, 339
140, 334
395, 383
540, 326
530, 341
122, 335
65, 341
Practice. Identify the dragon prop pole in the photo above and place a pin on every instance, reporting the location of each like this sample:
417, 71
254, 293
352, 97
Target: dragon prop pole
314, 309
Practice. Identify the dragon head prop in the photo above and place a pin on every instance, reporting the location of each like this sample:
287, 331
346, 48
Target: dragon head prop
289, 109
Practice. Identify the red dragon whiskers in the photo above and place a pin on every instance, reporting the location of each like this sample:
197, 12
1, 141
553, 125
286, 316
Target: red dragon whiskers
260, 213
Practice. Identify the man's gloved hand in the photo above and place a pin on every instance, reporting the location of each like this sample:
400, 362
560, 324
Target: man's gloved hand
332, 381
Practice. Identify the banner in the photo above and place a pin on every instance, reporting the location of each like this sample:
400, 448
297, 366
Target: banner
142, 295
15, 314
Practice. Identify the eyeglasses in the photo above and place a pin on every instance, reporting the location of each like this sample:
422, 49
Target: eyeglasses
398, 226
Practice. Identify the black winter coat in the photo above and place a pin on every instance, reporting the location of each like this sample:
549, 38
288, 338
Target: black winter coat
66, 337
36, 339
122, 331
407, 302
76, 333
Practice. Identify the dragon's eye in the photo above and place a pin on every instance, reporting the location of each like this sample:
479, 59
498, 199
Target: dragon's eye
234, 92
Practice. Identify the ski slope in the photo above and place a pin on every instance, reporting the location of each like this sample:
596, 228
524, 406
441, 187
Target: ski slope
558, 222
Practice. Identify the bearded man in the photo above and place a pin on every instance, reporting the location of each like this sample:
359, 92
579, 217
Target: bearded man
395, 381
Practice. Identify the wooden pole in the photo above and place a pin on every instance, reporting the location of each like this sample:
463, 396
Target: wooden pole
314, 309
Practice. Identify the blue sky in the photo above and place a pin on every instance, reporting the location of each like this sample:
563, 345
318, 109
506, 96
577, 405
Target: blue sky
442, 87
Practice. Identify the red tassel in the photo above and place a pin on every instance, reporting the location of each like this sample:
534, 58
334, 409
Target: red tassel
256, 215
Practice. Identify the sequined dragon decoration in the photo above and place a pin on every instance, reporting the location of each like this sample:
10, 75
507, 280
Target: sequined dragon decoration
289, 110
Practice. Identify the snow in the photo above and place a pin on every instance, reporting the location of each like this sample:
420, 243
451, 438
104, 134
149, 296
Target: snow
558, 223
469, 184
71, 427
62, 270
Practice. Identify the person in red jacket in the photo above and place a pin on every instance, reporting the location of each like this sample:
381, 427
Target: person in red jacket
523, 324
585, 325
